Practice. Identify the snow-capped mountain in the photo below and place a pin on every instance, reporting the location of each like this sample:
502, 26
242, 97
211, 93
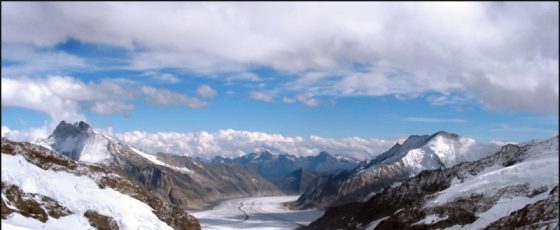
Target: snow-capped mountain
515, 188
181, 180
417, 153
278, 166
79, 142
290, 173
42, 189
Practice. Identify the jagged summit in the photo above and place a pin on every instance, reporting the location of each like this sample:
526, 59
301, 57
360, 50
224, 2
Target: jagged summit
65, 128
79, 141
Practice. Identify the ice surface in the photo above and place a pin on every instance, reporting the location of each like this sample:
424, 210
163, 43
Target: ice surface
267, 213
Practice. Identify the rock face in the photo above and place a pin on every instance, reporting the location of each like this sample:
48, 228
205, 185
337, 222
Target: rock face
517, 187
296, 182
40, 186
417, 153
180, 180
79, 142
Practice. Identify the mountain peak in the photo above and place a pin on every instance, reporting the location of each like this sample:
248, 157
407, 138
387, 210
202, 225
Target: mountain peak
324, 154
445, 134
65, 128
79, 142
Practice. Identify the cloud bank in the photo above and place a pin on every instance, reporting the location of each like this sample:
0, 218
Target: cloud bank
66, 98
233, 143
502, 54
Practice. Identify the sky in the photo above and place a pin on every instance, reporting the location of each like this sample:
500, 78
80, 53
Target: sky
227, 78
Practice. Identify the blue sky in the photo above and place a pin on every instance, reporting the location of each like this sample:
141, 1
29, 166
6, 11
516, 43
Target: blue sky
344, 70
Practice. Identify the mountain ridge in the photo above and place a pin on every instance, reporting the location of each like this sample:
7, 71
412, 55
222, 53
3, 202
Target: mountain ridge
181, 180
415, 154
516, 187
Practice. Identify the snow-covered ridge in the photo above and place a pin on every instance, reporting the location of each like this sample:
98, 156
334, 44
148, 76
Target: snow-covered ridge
78, 194
156, 161
515, 188
79, 141
416, 154
80, 188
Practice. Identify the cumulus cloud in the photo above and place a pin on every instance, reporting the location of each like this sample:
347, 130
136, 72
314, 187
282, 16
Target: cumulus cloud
32, 134
205, 91
61, 97
233, 143
167, 97
66, 98
505, 55
261, 96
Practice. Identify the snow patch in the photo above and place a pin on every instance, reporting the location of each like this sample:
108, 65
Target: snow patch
154, 160
504, 207
430, 219
538, 171
78, 194
374, 223
18, 222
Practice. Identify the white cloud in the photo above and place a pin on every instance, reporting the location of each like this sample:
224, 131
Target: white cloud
111, 107
162, 77
434, 120
166, 97
57, 96
31, 134
261, 96
205, 91
30, 61
233, 143
311, 102
244, 76
501, 143
504, 54
65, 98
289, 100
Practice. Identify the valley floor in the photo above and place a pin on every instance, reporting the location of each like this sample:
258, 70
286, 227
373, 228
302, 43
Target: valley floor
255, 213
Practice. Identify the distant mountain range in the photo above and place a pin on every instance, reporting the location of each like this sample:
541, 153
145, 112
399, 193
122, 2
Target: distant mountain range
290, 173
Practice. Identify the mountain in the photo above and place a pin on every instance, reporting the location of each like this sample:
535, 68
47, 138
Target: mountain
278, 166
296, 182
282, 170
417, 153
181, 180
42, 189
515, 188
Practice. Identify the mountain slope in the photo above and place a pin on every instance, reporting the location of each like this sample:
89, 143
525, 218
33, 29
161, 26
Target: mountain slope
180, 180
296, 182
41, 189
516, 187
417, 153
